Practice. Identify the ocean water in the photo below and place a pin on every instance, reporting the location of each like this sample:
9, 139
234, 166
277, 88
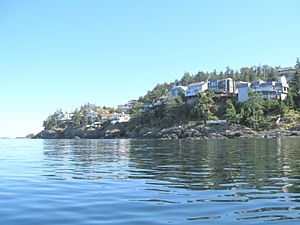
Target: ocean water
83, 182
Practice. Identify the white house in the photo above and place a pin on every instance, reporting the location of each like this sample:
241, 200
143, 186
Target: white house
132, 102
243, 91
195, 88
124, 108
175, 91
120, 118
106, 117
286, 72
271, 89
92, 115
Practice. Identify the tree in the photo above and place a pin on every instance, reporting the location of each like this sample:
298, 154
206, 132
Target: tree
186, 79
282, 108
295, 82
76, 117
158, 91
136, 110
200, 76
205, 107
50, 122
230, 112
84, 120
290, 99
252, 111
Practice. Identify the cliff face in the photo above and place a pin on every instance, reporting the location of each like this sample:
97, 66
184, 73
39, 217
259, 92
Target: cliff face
120, 130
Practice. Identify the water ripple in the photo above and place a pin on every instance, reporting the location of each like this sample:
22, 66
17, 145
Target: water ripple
75, 182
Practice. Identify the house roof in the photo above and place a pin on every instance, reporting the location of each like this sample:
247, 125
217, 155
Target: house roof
197, 83
107, 114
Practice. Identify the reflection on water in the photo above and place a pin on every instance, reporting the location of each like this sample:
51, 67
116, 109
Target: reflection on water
152, 182
86, 159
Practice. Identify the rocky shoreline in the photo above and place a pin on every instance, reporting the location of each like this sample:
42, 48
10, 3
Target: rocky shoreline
120, 130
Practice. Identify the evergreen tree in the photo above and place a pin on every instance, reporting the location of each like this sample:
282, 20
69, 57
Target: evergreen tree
230, 112
205, 107
252, 111
76, 117
186, 79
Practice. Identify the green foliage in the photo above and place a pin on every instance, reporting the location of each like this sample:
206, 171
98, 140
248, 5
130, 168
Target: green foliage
295, 82
252, 111
283, 108
76, 118
205, 106
158, 91
270, 105
50, 123
53, 120
136, 109
230, 112
84, 120
186, 79
174, 109
290, 101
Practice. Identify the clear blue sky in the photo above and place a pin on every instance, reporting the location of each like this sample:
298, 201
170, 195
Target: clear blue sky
64, 53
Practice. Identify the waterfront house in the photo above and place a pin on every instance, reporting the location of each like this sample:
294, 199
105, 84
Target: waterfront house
120, 118
271, 89
131, 103
64, 116
243, 91
285, 72
222, 87
106, 117
195, 88
92, 115
159, 101
124, 108
148, 105
175, 91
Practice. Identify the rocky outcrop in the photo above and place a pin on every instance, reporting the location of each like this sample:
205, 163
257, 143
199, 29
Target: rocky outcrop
279, 134
120, 130
48, 134
208, 132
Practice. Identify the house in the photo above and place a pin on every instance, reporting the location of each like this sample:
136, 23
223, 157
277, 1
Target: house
132, 102
106, 117
65, 116
92, 115
271, 89
159, 101
222, 87
148, 105
124, 108
176, 90
286, 72
243, 91
195, 88
120, 118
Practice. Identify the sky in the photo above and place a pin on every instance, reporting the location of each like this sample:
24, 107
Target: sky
61, 54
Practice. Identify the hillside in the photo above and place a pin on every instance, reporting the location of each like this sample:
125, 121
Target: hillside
161, 110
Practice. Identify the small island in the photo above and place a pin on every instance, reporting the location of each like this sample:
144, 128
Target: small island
255, 102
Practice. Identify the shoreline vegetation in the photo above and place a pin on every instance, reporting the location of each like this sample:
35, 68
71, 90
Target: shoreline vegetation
210, 114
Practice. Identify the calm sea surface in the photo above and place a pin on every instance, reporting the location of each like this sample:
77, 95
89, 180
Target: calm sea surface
62, 182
